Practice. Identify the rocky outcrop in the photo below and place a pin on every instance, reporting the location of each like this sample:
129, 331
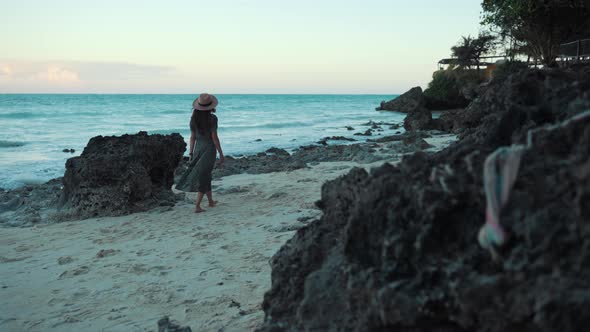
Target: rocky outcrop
419, 119
279, 160
407, 137
29, 205
121, 175
324, 141
471, 91
397, 249
166, 325
273, 160
551, 95
361, 153
405, 103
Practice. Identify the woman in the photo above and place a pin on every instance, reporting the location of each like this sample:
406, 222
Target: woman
202, 154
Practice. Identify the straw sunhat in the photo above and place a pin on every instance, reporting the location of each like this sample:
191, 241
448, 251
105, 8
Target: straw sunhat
205, 102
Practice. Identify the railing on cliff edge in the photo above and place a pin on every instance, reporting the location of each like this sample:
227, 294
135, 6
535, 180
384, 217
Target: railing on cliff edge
455, 61
578, 50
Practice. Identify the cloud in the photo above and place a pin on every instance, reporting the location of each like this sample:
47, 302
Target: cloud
120, 71
56, 74
6, 70
75, 76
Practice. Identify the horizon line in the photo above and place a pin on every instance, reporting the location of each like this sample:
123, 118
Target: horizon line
185, 94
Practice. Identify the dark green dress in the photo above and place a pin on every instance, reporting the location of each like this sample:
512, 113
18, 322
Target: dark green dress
198, 175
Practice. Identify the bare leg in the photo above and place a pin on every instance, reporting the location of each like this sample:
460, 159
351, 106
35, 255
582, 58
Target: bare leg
199, 199
212, 203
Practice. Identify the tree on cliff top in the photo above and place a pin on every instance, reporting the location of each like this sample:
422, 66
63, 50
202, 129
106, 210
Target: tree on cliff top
470, 50
537, 27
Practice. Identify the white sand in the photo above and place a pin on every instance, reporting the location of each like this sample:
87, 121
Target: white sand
208, 271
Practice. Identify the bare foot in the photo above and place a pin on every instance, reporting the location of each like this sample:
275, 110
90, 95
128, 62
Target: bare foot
213, 204
199, 210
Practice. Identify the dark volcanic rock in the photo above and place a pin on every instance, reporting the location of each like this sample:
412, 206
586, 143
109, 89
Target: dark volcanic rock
419, 119
277, 151
406, 102
402, 137
396, 250
278, 160
30, 205
372, 123
368, 132
471, 91
259, 164
395, 126
525, 100
324, 141
166, 325
121, 175
361, 153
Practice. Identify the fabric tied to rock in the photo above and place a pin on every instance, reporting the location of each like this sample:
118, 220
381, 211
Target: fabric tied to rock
500, 171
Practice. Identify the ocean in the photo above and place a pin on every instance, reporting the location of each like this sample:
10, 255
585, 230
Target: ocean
35, 129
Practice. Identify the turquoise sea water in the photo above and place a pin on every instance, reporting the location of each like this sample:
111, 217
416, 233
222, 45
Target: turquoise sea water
34, 129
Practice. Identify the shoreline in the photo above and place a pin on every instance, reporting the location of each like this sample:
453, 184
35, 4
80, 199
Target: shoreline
286, 122
356, 146
364, 132
208, 271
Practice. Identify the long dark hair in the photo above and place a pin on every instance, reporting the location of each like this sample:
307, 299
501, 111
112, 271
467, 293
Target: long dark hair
201, 120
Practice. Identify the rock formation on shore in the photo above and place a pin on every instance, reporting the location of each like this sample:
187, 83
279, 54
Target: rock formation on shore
415, 99
121, 175
531, 95
407, 102
29, 205
419, 119
559, 92
280, 160
397, 249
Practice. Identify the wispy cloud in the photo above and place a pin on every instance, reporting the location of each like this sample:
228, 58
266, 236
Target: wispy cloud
58, 75
74, 76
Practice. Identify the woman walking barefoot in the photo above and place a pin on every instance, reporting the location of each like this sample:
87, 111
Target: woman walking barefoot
204, 143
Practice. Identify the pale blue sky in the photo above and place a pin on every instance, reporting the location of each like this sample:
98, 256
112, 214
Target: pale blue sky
223, 46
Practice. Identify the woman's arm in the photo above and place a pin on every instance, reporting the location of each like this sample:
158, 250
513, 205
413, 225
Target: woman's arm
192, 145
218, 146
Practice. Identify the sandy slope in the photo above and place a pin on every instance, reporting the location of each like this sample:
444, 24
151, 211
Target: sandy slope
208, 270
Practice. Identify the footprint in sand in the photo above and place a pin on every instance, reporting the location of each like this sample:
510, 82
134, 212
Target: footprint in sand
226, 247
81, 293
64, 260
144, 252
13, 259
23, 247
105, 230
135, 269
277, 195
75, 272
106, 252
229, 277
207, 235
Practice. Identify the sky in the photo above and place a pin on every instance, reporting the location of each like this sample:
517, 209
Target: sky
227, 46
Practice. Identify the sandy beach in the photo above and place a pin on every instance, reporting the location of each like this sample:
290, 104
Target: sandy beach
208, 271
376, 166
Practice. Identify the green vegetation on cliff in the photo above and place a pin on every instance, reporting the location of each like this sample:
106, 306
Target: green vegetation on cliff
536, 28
